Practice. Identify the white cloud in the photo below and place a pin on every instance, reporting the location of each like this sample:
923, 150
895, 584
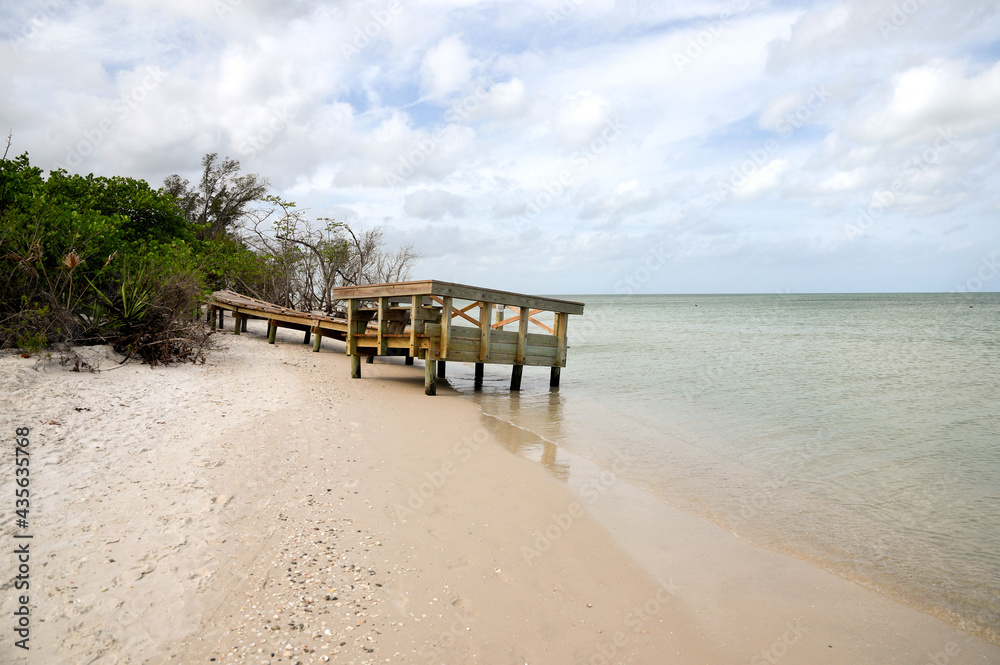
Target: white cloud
446, 67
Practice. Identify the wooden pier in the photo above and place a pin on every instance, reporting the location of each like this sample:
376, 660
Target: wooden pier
427, 320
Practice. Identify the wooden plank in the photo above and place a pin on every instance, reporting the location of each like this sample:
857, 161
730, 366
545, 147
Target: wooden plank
484, 329
522, 335
562, 323
542, 352
352, 322
446, 310
416, 323
383, 325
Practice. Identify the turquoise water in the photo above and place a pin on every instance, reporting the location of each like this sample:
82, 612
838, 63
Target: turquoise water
861, 432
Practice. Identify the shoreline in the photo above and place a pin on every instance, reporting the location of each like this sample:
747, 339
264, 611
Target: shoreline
265, 499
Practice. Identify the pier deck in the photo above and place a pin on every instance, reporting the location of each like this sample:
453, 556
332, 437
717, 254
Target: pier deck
427, 320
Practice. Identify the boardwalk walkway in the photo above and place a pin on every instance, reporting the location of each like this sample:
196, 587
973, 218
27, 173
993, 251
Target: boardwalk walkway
426, 320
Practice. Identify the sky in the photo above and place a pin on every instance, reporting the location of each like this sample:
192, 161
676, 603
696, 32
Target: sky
556, 146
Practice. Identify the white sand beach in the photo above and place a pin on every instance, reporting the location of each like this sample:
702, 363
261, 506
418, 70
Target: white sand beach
266, 508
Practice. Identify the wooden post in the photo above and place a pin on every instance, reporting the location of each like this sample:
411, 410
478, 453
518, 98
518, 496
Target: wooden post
222, 319
515, 378
243, 323
352, 323
522, 335
485, 310
308, 336
445, 331
383, 327
355, 367
430, 387
416, 324
500, 313
478, 383
211, 317
408, 361
562, 321
369, 360
236, 323
317, 341
441, 369
272, 331
554, 377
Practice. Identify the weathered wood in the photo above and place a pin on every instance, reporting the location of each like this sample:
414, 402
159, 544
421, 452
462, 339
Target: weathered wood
308, 336
212, 318
554, 374
243, 323
562, 324
430, 385
484, 329
317, 341
446, 309
369, 360
383, 325
272, 331
355, 367
478, 381
515, 378
236, 324
352, 324
522, 335
441, 369
459, 292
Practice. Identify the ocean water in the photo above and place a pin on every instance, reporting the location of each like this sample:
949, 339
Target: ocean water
859, 432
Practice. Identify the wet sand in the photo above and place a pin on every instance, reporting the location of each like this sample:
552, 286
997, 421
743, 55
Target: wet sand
267, 504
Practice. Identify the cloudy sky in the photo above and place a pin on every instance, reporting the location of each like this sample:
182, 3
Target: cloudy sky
557, 146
